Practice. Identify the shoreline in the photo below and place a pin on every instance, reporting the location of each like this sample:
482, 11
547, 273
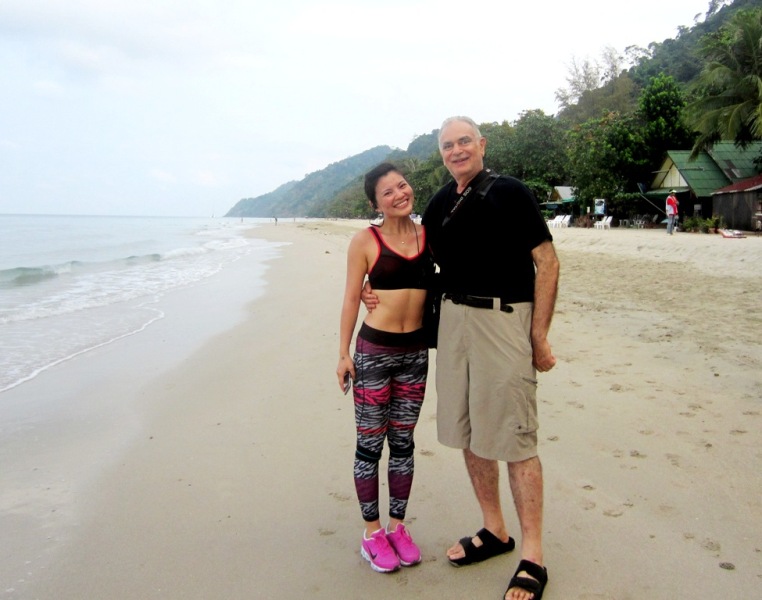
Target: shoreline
236, 479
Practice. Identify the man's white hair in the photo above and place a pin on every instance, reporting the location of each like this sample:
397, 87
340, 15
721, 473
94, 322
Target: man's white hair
459, 119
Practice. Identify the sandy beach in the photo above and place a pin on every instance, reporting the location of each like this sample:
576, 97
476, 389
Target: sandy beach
224, 470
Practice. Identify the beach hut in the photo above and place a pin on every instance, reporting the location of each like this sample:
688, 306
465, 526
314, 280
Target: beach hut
740, 204
561, 199
695, 181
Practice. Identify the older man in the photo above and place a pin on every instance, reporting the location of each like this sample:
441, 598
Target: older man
499, 274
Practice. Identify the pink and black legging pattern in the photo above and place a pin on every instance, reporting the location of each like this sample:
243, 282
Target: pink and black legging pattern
389, 386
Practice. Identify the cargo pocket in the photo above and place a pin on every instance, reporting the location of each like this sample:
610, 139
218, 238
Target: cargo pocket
526, 405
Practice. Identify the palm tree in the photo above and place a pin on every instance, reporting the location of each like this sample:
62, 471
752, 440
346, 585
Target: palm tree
729, 106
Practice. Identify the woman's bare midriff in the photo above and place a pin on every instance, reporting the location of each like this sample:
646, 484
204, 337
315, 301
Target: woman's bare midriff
398, 311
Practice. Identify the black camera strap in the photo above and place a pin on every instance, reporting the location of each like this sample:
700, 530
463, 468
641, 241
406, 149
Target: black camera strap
481, 183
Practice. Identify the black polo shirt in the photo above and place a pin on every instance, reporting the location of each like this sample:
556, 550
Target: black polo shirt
485, 249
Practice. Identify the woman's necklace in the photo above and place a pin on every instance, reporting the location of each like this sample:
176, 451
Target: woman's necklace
407, 233
400, 234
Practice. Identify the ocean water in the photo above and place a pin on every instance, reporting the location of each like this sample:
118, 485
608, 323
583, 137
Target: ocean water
69, 284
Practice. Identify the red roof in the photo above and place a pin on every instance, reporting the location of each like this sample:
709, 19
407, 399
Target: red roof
745, 185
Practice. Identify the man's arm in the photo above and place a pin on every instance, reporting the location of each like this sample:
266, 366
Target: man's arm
545, 291
369, 299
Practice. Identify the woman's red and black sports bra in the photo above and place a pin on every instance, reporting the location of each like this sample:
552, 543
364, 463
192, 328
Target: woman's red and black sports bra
392, 271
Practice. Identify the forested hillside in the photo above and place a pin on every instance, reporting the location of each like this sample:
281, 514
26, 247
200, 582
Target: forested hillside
308, 196
617, 118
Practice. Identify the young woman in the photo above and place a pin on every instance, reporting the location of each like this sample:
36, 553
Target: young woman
390, 362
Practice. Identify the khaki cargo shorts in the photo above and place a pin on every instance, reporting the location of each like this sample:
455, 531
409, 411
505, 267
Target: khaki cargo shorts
486, 383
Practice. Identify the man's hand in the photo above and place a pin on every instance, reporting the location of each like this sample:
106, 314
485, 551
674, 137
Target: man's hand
369, 299
545, 291
542, 356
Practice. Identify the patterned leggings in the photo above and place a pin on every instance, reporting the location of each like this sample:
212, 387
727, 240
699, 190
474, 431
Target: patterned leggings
389, 387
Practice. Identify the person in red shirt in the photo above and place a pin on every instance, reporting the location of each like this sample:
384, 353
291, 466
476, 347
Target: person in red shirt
672, 205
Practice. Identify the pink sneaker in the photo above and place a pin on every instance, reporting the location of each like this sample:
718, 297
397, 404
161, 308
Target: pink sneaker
379, 553
404, 546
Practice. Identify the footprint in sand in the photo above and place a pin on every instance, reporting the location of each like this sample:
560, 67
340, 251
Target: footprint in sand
426, 453
673, 459
710, 545
340, 497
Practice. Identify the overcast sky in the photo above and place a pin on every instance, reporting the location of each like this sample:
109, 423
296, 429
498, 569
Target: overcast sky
183, 107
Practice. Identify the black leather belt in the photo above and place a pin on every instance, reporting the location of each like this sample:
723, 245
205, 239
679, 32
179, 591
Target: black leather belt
476, 301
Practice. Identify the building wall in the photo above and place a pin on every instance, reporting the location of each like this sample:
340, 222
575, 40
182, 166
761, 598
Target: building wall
737, 209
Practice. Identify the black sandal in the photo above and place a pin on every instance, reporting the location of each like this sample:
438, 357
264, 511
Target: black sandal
534, 586
491, 546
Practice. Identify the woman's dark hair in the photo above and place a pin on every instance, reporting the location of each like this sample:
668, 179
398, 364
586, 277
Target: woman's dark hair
372, 177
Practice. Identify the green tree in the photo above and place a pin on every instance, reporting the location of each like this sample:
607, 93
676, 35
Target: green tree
582, 77
607, 157
498, 155
619, 95
537, 152
426, 179
539, 148
661, 107
595, 88
729, 88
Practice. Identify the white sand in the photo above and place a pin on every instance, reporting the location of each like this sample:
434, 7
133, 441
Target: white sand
228, 474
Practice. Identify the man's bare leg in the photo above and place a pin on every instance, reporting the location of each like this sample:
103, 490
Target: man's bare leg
527, 488
485, 476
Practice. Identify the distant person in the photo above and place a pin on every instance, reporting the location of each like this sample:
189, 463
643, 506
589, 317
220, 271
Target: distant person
499, 273
672, 205
390, 362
